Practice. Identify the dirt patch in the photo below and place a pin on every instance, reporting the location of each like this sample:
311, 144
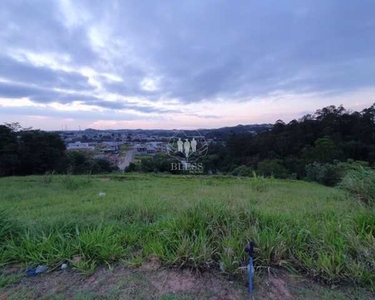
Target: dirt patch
126, 283
152, 282
173, 282
153, 263
277, 288
11, 270
206, 285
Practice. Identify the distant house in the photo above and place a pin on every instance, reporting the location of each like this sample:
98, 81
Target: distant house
109, 147
150, 150
79, 146
140, 148
153, 144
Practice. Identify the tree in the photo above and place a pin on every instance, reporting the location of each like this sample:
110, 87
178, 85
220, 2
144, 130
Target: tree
40, 152
324, 151
272, 167
9, 161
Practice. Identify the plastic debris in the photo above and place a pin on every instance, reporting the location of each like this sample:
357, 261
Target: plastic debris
40, 269
249, 249
31, 273
222, 267
101, 195
64, 266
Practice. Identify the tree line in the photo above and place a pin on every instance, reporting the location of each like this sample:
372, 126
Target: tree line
319, 146
24, 151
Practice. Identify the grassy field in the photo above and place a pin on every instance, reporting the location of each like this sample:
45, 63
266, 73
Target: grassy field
196, 222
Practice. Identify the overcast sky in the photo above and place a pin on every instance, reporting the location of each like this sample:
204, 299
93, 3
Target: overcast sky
182, 64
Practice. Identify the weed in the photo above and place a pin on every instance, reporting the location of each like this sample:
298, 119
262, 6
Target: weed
259, 183
74, 182
47, 178
8, 226
6, 280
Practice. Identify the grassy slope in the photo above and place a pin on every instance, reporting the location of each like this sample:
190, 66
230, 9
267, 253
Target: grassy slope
200, 222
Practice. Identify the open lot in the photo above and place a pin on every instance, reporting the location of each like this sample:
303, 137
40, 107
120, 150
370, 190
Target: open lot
196, 223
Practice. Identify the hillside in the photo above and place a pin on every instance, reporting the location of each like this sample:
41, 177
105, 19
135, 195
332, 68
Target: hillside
199, 223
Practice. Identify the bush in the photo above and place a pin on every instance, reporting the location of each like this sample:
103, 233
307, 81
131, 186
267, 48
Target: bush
259, 183
272, 167
242, 171
78, 162
361, 183
331, 174
327, 174
131, 168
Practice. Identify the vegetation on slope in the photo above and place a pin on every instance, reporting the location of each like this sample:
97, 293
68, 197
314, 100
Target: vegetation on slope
360, 182
197, 222
330, 135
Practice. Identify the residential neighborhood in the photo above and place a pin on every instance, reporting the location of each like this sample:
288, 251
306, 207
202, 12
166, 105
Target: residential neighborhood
119, 147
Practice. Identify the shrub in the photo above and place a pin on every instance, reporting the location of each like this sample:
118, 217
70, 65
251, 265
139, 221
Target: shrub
361, 183
48, 177
242, 171
259, 183
131, 168
275, 167
328, 174
82, 163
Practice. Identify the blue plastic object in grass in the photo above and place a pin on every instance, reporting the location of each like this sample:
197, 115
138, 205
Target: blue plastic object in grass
31, 273
249, 249
39, 269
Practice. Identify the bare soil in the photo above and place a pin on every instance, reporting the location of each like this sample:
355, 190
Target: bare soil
150, 281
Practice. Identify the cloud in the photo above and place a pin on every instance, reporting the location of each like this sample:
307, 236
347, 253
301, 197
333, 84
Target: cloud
38, 95
69, 114
160, 58
16, 71
120, 105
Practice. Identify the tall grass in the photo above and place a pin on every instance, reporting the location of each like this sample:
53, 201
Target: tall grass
197, 223
8, 226
361, 183
73, 182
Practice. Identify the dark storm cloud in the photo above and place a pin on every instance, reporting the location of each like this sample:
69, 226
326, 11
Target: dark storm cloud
195, 50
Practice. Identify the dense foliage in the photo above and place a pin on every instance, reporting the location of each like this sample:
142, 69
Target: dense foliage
297, 149
25, 151
321, 147
360, 182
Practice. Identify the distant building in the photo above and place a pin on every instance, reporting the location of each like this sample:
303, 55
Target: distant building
140, 148
150, 150
79, 146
